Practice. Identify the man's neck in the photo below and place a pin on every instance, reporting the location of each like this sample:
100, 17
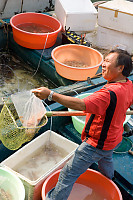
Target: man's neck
120, 79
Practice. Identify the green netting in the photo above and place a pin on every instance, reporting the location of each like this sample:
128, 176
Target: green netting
12, 132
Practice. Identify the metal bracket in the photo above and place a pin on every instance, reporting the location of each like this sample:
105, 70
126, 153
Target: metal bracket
128, 134
90, 81
51, 5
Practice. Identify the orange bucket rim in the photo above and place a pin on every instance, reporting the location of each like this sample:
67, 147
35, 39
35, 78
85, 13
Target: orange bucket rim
79, 68
91, 170
41, 34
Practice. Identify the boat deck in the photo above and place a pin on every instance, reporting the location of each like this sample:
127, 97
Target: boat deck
123, 162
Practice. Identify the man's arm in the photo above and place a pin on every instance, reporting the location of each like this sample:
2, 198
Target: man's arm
67, 101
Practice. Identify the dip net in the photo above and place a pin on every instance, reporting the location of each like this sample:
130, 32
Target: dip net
21, 117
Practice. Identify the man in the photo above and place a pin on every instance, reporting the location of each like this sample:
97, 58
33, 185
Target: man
106, 111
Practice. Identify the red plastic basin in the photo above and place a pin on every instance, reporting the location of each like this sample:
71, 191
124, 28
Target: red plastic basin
92, 180
35, 40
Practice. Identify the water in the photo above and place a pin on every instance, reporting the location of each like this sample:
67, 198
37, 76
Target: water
41, 161
35, 28
5, 195
83, 192
16, 75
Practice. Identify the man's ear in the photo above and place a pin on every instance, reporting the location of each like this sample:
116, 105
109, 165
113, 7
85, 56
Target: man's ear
121, 67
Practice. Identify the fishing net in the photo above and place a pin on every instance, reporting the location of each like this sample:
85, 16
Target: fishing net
21, 117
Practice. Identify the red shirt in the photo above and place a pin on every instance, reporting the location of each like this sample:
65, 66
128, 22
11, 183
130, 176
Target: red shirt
109, 106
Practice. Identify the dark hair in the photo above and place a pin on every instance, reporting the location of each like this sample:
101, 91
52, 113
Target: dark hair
124, 58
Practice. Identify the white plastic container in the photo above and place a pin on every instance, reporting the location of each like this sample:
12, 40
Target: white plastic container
116, 15
79, 15
108, 39
33, 188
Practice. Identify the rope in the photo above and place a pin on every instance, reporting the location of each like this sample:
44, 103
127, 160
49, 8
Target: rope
40, 57
50, 119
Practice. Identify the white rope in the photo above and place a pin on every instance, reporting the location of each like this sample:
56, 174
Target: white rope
41, 57
50, 119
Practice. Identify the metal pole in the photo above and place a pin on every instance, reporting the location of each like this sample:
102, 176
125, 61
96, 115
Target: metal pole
22, 6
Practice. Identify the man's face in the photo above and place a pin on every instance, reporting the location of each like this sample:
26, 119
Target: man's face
109, 70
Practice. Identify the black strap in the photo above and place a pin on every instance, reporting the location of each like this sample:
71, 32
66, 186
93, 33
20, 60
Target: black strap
108, 118
87, 128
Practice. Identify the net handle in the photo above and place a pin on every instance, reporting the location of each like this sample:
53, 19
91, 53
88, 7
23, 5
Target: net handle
74, 113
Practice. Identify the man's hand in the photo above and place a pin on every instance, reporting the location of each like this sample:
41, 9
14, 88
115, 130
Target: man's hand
42, 92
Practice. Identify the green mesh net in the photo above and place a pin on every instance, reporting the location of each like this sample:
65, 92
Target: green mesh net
12, 132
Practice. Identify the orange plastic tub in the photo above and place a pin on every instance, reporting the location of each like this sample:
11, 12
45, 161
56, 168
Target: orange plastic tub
71, 53
90, 185
35, 40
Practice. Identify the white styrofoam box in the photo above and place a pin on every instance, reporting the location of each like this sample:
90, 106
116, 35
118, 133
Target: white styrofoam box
108, 39
33, 188
79, 15
116, 15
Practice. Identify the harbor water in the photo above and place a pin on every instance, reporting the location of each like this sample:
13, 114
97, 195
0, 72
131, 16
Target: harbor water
16, 75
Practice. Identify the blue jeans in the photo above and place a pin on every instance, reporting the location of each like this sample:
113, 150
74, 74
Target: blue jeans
85, 155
